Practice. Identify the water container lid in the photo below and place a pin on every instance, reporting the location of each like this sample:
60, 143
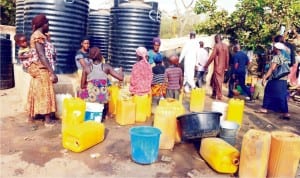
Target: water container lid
94, 107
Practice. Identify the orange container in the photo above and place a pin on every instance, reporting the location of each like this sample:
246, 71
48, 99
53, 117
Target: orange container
112, 103
284, 154
142, 107
125, 111
80, 137
197, 100
165, 121
220, 155
255, 154
235, 111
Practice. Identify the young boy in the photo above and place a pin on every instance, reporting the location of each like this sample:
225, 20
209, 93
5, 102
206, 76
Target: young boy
158, 88
173, 78
24, 53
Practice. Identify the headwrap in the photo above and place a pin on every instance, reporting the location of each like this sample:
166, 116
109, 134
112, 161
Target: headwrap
157, 58
38, 21
156, 40
142, 52
95, 53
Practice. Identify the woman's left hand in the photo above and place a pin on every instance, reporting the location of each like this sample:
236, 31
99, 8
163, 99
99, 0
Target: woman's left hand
263, 82
53, 78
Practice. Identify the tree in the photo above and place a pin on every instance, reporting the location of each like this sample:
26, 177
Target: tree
253, 23
8, 12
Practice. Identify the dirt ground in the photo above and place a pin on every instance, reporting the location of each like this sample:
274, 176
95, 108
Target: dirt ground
37, 152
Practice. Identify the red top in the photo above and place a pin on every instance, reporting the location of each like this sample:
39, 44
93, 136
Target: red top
141, 78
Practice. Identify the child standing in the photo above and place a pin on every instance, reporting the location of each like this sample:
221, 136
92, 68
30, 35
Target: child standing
94, 80
173, 78
158, 87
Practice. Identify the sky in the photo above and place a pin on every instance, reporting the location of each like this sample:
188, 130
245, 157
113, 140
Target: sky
167, 5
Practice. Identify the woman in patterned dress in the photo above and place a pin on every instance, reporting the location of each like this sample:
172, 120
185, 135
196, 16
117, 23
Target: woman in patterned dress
41, 96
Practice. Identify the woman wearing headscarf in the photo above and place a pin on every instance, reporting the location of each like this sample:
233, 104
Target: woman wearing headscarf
275, 97
153, 52
94, 80
41, 97
141, 74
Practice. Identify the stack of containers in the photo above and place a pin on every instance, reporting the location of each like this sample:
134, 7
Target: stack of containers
78, 135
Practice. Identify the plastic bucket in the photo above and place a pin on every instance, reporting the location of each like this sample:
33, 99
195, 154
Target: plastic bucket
93, 112
220, 107
228, 131
144, 144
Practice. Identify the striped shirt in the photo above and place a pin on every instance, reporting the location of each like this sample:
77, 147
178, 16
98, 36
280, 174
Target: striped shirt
158, 74
173, 75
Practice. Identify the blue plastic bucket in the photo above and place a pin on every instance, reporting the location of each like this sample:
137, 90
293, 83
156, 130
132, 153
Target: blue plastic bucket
144, 144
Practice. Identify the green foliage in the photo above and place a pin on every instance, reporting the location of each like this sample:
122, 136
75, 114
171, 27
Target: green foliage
253, 23
8, 12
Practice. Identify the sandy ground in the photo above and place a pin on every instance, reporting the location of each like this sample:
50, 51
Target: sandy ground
37, 152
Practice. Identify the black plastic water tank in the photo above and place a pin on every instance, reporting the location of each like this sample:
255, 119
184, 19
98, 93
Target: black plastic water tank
98, 30
67, 25
6, 66
19, 21
20, 16
133, 24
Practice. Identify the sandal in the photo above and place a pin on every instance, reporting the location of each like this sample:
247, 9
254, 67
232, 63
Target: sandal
49, 124
284, 118
261, 111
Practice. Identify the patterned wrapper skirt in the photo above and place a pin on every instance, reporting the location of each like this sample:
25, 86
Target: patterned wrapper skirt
158, 90
96, 91
41, 96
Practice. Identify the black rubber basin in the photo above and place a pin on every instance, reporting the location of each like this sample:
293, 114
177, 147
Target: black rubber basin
199, 125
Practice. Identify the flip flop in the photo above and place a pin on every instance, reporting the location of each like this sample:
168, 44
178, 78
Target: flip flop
284, 118
261, 112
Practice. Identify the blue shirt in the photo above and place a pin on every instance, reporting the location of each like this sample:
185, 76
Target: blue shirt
151, 55
242, 60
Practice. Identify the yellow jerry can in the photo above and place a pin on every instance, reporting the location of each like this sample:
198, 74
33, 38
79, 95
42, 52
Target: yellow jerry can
73, 111
142, 107
165, 121
113, 96
255, 154
179, 109
197, 100
220, 155
80, 137
235, 112
125, 111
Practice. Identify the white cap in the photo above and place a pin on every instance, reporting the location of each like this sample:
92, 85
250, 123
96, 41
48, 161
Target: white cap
279, 45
